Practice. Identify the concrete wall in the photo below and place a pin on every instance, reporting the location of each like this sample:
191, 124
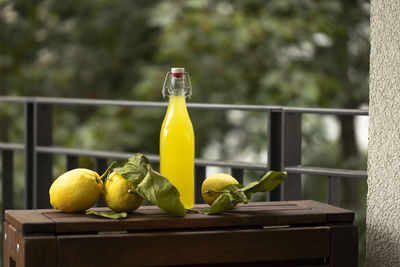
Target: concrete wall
383, 202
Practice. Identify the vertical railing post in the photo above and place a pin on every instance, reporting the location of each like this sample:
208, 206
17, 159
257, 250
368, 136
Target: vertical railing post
274, 149
101, 167
29, 136
291, 154
72, 162
7, 180
238, 174
334, 190
43, 164
199, 176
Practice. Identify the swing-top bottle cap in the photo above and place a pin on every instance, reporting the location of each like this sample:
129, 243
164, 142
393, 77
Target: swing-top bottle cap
177, 82
177, 70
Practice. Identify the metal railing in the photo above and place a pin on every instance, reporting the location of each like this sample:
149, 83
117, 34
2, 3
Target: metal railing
283, 136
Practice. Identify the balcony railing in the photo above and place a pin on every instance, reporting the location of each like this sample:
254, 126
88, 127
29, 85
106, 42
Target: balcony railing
284, 138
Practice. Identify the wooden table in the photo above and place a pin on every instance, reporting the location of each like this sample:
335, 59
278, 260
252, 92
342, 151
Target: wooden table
294, 233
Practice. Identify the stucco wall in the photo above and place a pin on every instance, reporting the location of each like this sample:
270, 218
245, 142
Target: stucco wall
383, 202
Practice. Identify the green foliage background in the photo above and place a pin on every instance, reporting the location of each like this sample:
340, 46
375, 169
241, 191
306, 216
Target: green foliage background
279, 52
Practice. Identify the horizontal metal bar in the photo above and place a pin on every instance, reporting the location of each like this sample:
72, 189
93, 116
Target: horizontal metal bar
124, 103
232, 107
98, 102
202, 106
11, 146
83, 152
235, 165
152, 158
326, 171
16, 99
327, 111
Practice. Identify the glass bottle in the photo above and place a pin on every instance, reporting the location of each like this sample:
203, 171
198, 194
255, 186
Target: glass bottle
177, 136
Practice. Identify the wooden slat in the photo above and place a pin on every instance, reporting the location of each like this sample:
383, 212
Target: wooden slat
154, 210
11, 240
36, 251
20, 258
149, 222
149, 218
333, 214
29, 221
206, 247
6, 258
8, 244
344, 246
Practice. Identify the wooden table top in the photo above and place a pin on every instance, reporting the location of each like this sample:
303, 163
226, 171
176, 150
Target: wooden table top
150, 218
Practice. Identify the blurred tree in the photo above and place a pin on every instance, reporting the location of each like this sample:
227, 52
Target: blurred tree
90, 49
279, 52
302, 53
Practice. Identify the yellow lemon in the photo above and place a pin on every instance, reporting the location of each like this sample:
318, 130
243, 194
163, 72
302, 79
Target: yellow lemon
76, 190
215, 182
119, 194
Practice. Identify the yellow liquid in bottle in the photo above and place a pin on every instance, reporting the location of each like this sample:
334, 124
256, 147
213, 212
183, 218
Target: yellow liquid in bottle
177, 149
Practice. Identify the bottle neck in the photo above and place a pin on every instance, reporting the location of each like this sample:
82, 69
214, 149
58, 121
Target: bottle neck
177, 101
177, 87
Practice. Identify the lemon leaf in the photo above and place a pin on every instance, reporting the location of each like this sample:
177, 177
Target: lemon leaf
134, 169
230, 197
158, 190
108, 214
151, 185
223, 203
233, 194
267, 183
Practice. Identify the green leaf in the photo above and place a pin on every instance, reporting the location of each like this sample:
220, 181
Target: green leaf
225, 189
202, 211
108, 214
267, 183
135, 169
230, 197
234, 191
158, 190
233, 194
224, 202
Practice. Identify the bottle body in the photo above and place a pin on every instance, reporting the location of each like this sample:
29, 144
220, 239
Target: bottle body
177, 145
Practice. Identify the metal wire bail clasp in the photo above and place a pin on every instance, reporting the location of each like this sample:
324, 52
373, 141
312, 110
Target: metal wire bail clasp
169, 88
166, 85
188, 85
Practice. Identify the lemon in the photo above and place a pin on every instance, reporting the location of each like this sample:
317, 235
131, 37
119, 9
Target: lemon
119, 194
215, 182
76, 190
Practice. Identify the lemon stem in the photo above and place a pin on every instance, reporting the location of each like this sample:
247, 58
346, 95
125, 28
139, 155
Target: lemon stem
107, 171
132, 192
